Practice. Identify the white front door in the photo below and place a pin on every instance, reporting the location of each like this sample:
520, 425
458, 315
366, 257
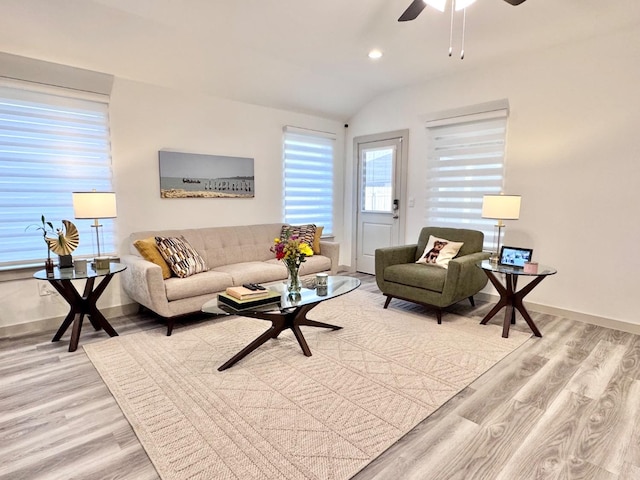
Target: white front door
380, 222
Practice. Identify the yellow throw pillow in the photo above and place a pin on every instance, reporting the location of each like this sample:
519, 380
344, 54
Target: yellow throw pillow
149, 251
316, 240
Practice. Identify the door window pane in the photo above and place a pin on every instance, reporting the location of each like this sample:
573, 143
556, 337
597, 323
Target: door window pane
377, 180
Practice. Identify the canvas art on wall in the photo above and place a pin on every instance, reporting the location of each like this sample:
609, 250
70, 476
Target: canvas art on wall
192, 175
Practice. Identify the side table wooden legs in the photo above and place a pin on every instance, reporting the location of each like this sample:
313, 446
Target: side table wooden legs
511, 300
81, 305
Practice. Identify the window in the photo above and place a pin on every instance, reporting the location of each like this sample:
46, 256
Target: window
52, 142
465, 162
308, 178
377, 179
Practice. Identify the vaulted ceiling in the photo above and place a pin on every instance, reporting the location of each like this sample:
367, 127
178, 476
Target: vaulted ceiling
301, 55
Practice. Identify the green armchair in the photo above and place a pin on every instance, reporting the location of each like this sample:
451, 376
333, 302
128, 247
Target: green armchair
398, 276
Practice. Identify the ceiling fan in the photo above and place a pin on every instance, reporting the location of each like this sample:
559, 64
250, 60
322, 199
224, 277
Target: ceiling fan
417, 6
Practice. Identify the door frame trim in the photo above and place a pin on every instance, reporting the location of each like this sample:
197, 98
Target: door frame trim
403, 135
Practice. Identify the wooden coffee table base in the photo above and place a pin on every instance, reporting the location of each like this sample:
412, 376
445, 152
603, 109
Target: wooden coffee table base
293, 318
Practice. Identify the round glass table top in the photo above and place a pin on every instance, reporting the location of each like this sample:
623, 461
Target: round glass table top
513, 270
71, 274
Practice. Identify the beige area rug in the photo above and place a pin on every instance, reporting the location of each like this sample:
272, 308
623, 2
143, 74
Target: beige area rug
280, 415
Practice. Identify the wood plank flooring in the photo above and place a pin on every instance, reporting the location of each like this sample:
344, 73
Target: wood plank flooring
564, 406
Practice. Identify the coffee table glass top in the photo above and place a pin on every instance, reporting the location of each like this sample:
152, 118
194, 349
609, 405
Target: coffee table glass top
71, 274
543, 270
336, 285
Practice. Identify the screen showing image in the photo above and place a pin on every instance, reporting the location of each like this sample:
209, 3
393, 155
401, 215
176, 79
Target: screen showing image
515, 256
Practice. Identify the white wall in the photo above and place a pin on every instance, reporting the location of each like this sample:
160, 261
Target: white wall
146, 118
573, 153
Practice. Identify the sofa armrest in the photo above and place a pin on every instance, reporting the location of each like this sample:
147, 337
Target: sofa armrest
142, 281
464, 278
331, 250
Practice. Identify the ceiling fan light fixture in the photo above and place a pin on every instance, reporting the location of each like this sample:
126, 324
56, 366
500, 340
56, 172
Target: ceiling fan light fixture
462, 4
437, 4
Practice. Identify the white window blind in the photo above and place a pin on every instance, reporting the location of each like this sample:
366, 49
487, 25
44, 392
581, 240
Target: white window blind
308, 178
465, 162
52, 143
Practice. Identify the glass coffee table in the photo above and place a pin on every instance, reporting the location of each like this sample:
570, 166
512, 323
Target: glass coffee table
287, 312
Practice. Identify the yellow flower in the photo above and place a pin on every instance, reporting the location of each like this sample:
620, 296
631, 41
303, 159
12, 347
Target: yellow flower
304, 249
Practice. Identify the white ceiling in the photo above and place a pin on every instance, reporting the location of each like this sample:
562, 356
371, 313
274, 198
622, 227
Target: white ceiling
301, 55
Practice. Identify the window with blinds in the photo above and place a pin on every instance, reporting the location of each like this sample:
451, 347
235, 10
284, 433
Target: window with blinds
465, 162
52, 142
308, 178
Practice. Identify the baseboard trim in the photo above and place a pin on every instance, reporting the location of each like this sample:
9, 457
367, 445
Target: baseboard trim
561, 312
52, 324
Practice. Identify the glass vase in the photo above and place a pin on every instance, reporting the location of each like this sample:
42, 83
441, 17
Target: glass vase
293, 280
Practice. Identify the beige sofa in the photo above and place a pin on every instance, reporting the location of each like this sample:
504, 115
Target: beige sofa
234, 256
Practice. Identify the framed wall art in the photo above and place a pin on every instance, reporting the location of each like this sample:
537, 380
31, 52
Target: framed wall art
193, 175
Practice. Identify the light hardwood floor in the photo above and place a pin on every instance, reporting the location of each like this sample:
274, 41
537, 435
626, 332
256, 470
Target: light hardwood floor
564, 406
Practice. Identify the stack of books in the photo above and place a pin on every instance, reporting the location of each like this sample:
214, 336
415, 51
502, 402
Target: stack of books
242, 297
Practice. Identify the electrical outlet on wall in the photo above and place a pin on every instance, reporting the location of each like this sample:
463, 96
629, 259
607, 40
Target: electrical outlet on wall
45, 288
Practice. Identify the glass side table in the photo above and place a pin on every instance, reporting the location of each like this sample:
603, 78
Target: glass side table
510, 298
81, 305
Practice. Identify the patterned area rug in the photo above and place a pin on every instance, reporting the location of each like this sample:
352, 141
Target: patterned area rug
280, 415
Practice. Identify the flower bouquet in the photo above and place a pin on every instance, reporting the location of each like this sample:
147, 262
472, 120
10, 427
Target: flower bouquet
292, 252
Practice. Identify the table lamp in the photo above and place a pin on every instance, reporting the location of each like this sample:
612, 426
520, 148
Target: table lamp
95, 205
500, 207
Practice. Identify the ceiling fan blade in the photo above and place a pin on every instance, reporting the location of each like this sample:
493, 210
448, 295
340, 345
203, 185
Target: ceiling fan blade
514, 2
414, 10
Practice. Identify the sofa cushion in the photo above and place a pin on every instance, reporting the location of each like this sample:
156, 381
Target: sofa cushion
416, 275
181, 256
317, 263
439, 252
254, 272
200, 284
149, 251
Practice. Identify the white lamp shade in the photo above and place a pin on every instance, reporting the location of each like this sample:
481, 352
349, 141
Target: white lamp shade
460, 4
437, 4
501, 207
94, 205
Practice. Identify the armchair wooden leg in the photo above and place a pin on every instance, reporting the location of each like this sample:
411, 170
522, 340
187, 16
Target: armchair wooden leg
387, 301
439, 316
473, 302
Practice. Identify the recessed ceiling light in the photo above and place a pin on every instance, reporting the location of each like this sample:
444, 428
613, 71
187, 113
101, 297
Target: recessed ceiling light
375, 54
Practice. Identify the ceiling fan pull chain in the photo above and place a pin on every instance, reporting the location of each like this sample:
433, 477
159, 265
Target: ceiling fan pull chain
453, 9
464, 26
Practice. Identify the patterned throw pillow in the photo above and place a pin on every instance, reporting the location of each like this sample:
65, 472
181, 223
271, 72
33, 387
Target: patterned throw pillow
306, 233
181, 256
149, 251
439, 252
